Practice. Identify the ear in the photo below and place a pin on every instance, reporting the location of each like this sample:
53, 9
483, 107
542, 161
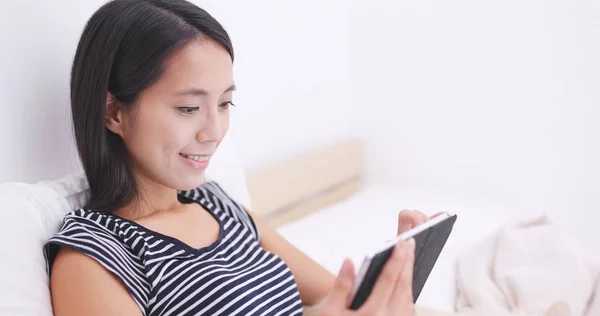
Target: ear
114, 115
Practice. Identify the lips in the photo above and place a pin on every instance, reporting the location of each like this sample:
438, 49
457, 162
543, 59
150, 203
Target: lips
200, 158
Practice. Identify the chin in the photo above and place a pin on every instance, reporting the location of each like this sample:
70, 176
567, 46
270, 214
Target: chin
190, 182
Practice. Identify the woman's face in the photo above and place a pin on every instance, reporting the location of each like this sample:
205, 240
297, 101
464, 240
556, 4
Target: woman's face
178, 123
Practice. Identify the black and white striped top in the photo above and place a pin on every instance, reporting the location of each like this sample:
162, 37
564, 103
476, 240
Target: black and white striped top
233, 276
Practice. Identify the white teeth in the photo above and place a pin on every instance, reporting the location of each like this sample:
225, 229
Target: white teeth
197, 158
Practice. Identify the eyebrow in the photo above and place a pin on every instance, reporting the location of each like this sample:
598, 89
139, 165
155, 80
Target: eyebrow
202, 92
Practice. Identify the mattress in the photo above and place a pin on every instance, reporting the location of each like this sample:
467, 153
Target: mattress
366, 220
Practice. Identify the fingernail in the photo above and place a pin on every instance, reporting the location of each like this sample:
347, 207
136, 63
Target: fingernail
346, 272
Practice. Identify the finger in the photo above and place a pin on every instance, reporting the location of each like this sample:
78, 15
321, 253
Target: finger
339, 297
422, 217
387, 279
406, 220
409, 219
403, 294
436, 215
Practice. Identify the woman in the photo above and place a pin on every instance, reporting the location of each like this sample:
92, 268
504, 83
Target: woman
151, 87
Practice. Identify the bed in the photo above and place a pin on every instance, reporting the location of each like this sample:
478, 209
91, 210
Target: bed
323, 206
319, 201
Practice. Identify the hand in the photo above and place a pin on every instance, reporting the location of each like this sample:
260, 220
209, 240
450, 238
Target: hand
391, 295
408, 219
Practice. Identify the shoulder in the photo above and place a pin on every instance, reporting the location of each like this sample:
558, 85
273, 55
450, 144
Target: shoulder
83, 230
92, 243
211, 195
79, 218
80, 285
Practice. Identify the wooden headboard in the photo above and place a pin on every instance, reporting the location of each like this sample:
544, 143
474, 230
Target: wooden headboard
291, 189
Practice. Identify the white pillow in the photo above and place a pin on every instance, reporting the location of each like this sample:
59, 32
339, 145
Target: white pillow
31, 213
227, 169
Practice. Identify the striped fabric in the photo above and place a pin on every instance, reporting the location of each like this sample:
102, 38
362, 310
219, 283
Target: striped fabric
233, 276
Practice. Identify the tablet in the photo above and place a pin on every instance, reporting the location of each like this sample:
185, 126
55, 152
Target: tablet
430, 237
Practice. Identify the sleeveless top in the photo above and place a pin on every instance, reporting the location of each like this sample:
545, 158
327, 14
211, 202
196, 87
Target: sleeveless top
165, 276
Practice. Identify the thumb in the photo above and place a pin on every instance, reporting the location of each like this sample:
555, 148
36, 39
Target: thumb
342, 288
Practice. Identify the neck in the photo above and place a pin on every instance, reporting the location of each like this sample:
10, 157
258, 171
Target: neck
151, 198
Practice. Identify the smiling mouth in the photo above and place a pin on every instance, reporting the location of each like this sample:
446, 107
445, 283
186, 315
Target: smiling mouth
200, 158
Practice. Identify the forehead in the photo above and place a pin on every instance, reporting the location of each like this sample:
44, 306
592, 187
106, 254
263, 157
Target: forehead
201, 63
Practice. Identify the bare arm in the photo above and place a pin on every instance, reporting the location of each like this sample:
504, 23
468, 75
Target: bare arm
82, 286
314, 282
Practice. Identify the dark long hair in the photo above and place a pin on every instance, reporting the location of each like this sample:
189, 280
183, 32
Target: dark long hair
123, 50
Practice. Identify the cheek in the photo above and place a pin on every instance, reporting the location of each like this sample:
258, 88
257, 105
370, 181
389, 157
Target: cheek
225, 123
153, 137
171, 138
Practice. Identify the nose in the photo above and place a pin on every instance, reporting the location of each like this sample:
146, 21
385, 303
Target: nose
211, 128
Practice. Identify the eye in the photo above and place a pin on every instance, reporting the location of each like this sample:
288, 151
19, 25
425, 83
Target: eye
226, 104
188, 109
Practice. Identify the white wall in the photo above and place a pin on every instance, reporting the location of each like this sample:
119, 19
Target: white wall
489, 98
499, 99
38, 40
292, 72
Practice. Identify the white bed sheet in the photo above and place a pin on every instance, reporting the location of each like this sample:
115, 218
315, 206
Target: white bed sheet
356, 226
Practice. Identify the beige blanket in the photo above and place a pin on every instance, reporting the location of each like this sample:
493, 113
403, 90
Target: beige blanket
529, 267
558, 309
